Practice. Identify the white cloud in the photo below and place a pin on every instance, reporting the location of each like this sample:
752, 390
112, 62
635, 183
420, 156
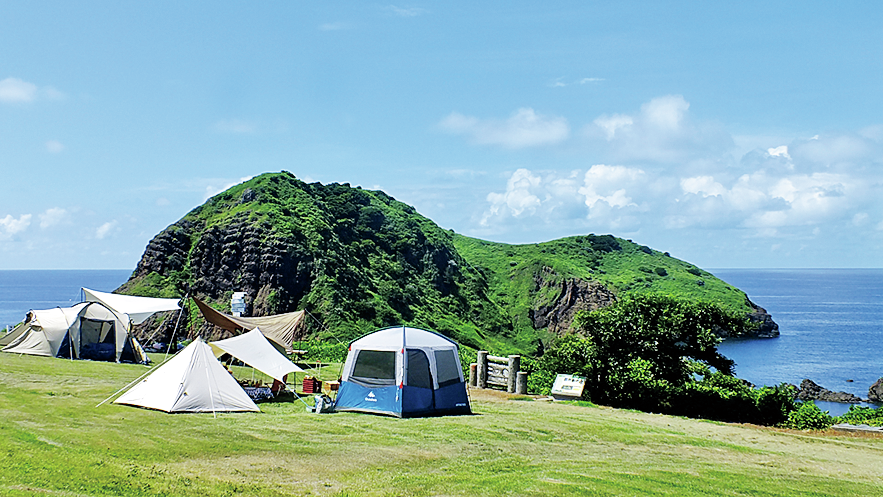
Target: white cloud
517, 198
612, 123
104, 229
558, 83
666, 176
10, 225
662, 132
52, 93
235, 126
825, 151
14, 90
702, 185
601, 196
524, 128
780, 151
52, 216
162, 202
608, 184
406, 11
335, 26
54, 146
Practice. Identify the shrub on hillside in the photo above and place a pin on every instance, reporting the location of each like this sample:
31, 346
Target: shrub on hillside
862, 415
808, 416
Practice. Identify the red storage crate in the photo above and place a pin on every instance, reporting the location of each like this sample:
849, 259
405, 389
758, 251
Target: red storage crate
312, 385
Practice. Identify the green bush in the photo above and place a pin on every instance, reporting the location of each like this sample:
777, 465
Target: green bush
808, 416
323, 350
862, 415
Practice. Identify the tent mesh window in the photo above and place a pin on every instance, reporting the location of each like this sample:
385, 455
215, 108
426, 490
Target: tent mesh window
418, 369
97, 340
446, 368
374, 368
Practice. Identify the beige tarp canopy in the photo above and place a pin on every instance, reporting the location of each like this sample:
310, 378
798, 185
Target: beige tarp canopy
279, 328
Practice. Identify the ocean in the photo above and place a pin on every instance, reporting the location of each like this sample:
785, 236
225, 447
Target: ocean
830, 325
23, 290
830, 320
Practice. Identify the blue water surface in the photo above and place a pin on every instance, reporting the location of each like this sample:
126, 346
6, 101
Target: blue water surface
830, 324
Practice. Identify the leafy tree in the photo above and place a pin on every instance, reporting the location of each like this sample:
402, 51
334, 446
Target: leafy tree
659, 354
656, 337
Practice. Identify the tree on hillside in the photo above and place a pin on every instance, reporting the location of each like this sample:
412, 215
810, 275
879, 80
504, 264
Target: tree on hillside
643, 350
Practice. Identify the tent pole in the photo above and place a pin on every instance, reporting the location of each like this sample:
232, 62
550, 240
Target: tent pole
211, 395
127, 386
184, 306
321, 325
137, 379
70, 339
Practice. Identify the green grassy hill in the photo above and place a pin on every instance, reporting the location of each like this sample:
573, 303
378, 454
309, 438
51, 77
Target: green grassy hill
359, 259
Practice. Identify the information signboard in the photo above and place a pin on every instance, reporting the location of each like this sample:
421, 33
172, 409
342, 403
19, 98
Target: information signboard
568, 386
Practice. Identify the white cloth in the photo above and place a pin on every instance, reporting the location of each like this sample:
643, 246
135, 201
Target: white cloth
138, 308
255, 350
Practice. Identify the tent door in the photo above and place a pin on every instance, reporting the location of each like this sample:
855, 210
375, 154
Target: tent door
97, 340
419, 394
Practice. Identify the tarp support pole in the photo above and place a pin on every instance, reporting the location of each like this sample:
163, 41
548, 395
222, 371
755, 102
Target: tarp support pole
127, 386
184, 306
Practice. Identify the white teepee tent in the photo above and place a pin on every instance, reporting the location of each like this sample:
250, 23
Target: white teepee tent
192, 381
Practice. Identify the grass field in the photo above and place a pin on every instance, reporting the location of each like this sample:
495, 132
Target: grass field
54, 441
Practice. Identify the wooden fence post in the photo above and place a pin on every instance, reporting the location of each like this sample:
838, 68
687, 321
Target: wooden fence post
514, 366
482, 368
472, 374
521, 383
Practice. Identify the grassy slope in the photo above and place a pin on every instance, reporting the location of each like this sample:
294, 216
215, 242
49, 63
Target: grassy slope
53, 441
628, 269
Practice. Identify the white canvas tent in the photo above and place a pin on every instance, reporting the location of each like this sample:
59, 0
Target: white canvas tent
137, 308
88, 330
255, 350
13, 334
192, 381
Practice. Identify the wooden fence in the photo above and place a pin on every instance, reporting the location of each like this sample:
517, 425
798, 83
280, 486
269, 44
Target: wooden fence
501, 372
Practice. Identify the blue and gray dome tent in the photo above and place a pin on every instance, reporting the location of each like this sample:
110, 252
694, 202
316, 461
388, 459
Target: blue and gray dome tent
403, 372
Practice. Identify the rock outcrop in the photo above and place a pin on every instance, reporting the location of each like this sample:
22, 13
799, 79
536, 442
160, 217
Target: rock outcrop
809, 390
573, 295
875, 393
766, 327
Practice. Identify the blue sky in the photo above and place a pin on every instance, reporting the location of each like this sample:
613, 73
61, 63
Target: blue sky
740, 135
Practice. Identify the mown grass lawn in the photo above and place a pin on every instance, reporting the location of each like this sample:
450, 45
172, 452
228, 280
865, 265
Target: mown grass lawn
54, 441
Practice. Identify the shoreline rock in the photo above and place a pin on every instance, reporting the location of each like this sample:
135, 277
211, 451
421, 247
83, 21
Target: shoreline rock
809, 390
766, 327
875, 393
